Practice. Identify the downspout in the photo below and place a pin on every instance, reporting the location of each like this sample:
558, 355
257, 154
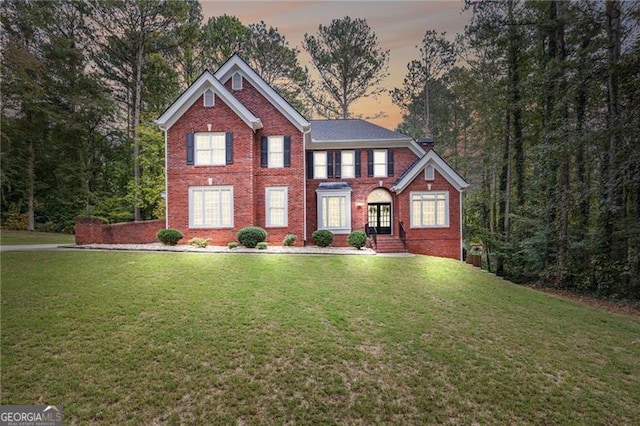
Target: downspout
460, 195
304, 186
166, 180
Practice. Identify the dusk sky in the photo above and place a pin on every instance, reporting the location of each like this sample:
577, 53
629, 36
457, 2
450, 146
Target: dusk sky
399, 26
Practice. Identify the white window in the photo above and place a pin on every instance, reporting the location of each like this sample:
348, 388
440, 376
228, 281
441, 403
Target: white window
275, 151
320, 165
348, 167
209, 98
380, 163
210, 149
276, 206
429, 173
429, 209
334, 210
211, 207
236, 81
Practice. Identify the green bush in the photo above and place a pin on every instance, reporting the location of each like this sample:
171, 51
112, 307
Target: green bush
357, 239
169, 237
322, 237
15, 220
199, 242
289, 240
251, 235
232, 245
261, 245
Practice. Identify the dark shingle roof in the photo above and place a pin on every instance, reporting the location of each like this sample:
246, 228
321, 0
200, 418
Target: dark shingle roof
351, 130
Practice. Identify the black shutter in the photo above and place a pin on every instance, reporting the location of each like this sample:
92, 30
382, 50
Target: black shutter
190, 148
389, 162
338, 164
357, 161
229, 147
309, 164
329, 164
370, 162
264, 151
287, 151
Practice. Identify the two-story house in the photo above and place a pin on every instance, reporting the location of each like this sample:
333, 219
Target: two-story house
237, 154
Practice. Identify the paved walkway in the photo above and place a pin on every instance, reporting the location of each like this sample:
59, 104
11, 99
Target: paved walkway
30, 247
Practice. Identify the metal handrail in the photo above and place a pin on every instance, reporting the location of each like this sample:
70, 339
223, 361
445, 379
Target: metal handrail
371, 232
403, 235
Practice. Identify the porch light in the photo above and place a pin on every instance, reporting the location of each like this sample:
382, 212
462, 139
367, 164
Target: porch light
359, 204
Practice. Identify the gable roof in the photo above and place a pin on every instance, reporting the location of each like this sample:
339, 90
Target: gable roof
193, 93
325, 134
430, 158
236, 64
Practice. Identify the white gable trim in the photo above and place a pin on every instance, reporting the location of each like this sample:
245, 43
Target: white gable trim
441, 167
236, 64
193, 93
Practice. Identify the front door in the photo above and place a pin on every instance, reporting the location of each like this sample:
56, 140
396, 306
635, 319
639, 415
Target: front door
380, 217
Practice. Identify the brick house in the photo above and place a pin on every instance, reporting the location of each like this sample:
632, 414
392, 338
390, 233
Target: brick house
237, 154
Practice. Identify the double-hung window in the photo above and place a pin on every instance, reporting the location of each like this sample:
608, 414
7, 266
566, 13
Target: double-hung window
275, 153
210, 149
211, 207
276, 206
380, 163
429, 209
319, 164
348, 166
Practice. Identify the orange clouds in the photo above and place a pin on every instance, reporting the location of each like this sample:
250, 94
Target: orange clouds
399, 26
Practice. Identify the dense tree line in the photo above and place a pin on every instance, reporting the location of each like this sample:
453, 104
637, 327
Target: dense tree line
536, 104
542, 115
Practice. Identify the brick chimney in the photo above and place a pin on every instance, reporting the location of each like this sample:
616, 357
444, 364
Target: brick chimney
426, 143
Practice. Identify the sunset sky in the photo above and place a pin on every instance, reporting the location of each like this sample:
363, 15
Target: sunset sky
399, 25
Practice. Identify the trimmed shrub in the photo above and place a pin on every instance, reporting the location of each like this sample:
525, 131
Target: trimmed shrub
261, 245
169, 237
289, 240
199, 242
357, 239
232, 245
251, 235
322, 237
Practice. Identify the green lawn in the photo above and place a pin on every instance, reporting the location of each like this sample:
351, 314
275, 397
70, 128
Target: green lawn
14, 238
145, 338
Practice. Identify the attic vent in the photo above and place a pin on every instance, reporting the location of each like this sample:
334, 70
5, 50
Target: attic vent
236, 81
209, 98
429, 173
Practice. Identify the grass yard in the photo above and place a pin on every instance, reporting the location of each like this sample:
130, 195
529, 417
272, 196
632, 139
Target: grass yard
15, 238
174, 338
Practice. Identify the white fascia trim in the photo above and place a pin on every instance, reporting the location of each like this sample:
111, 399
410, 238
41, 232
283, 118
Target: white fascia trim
206, 81
235, 64
440, 165
369, 143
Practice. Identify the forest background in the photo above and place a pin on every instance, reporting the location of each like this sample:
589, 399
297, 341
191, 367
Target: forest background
536, 104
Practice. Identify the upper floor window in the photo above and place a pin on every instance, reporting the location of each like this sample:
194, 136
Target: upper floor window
210, 149
380, 162
236, 81
275, 151
209, 98
348, 164
319, 164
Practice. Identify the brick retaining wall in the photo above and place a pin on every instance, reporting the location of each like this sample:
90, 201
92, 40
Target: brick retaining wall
90, 230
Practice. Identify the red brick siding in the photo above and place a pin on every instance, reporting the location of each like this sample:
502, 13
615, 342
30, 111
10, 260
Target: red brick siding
94, 231
361, 187
245, 174
441, 242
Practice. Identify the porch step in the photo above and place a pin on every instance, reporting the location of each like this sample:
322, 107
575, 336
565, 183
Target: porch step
389, 244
